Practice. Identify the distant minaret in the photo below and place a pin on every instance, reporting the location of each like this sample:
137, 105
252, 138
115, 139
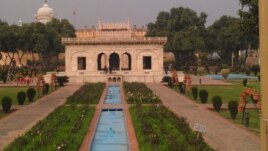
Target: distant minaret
74, 13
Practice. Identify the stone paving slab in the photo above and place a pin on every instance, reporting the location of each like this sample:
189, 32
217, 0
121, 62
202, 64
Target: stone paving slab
17, 123
220, 133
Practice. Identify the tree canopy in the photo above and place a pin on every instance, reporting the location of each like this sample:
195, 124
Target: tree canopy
44, 39
184, 29
249, 14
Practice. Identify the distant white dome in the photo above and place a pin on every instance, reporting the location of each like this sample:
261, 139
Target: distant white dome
44, 14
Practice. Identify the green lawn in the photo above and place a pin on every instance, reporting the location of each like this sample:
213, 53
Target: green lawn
12, 92
228, 93
254, 119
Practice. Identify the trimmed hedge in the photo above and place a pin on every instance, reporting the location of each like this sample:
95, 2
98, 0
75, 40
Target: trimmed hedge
195, 92
21, 97
217, 102
6, 104
203, 95
232, 107
31, 92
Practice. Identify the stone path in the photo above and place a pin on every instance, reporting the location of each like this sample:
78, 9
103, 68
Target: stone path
132, 140
19, 122
221, 134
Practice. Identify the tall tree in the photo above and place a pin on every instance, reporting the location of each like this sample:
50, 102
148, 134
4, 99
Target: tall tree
249, 14
224, 36
184, 30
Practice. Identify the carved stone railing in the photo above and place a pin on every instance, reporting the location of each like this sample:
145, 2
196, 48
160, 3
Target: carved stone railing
114, 40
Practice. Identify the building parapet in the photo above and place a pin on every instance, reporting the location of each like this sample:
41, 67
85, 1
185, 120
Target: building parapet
102, 41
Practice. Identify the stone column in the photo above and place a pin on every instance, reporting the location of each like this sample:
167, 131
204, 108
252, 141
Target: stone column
263, 20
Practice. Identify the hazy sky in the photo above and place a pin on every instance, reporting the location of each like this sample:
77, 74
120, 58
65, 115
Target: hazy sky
141, 12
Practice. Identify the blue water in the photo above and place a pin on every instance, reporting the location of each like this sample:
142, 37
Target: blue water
231, 76
111, 133
113, 95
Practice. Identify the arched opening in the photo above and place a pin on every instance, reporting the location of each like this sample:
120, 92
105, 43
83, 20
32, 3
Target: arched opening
126, 61
102, 61
114, 61
118, 79
109, 79
114, 79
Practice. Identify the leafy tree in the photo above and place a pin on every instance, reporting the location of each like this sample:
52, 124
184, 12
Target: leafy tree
224, 36
184, 30
249, 14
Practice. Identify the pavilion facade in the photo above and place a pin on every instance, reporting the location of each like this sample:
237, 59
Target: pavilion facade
114, 52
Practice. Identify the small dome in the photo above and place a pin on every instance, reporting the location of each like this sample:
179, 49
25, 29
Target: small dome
44, 14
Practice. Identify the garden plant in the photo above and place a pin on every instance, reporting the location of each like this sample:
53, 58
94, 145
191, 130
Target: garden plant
139, 93
217, 102
89, 93
6, 104
158, 128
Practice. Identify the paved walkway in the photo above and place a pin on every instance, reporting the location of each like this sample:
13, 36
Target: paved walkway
221, 134
24, 119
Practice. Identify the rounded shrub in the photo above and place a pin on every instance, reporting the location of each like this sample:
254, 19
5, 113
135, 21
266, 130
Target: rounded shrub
232, 107
245, 82
46, 88
166, 79
225, 73
195, 92
217, 102
62, 79
31, 92
6, 104
21, 96
203, 95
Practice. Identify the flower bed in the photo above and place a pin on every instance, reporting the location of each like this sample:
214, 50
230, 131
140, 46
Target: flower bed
89, 93
157, 128
139, 93
63, 129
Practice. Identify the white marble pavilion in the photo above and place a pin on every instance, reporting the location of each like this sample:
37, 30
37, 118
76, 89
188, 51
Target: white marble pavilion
123, 49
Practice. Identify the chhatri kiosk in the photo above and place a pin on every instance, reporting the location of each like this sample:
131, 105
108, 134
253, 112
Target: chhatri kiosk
114, 52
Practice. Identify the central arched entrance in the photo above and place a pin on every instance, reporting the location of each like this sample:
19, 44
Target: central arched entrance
114, 61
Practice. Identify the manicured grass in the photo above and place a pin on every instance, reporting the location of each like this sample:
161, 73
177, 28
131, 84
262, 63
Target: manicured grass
12, 92
254, 119
158, 128
63, 129
89, 93
227, 93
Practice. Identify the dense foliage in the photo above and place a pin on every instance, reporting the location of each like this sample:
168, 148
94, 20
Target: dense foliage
44, 39
203, 95
31, 92
249, 14
184, 30
195, 92
217, 102
89, 93
64, 129
21, 97
158, 128
6, 104
232, 107
139, 93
